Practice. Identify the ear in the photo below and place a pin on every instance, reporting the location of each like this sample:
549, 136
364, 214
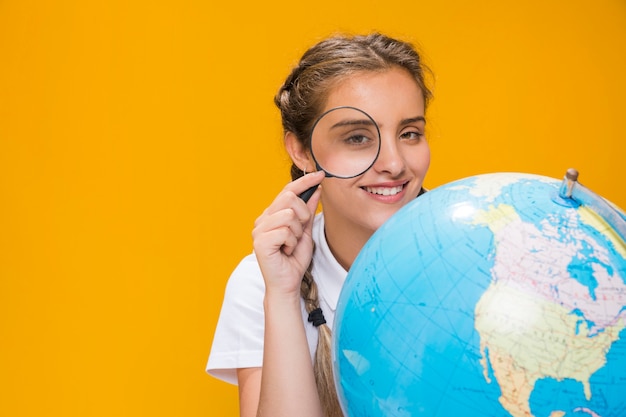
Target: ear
298, 153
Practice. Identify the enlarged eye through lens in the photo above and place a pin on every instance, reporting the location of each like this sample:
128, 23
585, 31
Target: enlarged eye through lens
345, 142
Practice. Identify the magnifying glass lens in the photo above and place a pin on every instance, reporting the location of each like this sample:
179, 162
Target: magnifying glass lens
345, 142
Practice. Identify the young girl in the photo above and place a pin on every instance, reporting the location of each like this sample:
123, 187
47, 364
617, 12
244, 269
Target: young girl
274, 332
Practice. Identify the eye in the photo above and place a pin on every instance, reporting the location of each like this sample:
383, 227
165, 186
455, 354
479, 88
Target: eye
412, 135
357, 139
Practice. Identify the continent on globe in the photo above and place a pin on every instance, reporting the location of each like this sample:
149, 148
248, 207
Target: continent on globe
498, 295
537, 319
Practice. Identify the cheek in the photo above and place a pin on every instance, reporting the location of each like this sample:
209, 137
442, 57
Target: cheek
421, 161
339, 193
426, 164
336, 186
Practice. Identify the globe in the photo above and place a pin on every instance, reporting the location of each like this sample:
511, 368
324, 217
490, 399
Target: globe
501, 294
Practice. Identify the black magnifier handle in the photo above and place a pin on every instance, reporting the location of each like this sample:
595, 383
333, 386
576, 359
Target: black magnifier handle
305, 196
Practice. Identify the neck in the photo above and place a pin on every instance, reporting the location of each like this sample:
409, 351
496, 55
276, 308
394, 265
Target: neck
345, 243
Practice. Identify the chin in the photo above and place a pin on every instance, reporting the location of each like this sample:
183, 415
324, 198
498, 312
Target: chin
380, 219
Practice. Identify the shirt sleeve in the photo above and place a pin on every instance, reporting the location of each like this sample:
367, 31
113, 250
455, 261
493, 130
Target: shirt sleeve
238, 339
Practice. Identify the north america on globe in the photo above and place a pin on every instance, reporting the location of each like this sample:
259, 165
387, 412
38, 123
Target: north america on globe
563, 278
490, 296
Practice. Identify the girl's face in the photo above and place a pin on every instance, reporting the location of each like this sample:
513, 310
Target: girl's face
358, 206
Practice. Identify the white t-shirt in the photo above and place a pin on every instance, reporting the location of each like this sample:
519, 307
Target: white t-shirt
238, 340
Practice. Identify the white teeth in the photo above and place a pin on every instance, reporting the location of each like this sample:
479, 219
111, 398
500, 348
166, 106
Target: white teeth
384, 190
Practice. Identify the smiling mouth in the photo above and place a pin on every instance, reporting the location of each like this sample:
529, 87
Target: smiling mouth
384, 190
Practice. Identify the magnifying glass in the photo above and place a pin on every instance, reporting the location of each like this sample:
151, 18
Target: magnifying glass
345, 142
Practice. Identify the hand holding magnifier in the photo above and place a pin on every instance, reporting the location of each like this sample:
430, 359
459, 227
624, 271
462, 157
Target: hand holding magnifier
345, 142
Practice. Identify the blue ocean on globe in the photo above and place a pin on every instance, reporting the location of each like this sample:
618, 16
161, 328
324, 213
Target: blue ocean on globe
488, 296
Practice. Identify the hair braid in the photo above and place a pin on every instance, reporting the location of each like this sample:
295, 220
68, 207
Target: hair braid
322, 368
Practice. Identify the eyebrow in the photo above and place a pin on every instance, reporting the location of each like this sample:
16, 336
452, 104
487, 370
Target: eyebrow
357, 122
410, 120
413, 120
353, 122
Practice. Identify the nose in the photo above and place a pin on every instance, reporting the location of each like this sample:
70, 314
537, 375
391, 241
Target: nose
390, 159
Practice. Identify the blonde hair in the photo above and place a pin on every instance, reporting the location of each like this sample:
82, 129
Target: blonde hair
301, 100
323, 362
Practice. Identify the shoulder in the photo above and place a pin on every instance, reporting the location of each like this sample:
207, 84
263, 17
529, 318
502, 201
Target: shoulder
238, 337
247, 267
246, 278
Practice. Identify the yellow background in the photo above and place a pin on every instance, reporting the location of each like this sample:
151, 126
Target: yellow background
138, 143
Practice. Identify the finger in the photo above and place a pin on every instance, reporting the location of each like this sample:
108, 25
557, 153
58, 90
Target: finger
288, 200
300, 185
284, 218
275, 240
289, 196
290, 244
